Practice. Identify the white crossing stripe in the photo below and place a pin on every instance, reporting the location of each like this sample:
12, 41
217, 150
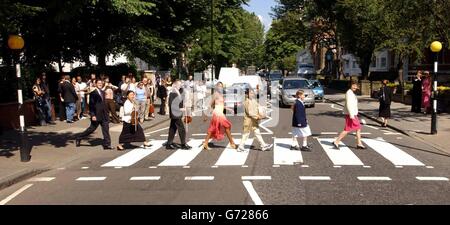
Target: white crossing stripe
328, 133
342, 157
199, 178
282, 155
13, 195
432, 178
376, 128
256, 177
39, 179
249, 187
146, 178
373, 178
392, 153
314, 178
90, 178
134, 156
233, 157
183, 157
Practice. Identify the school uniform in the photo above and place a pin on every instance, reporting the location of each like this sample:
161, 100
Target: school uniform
300, 127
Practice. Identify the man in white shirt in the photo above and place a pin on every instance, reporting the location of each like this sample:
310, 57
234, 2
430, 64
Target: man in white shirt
82, 92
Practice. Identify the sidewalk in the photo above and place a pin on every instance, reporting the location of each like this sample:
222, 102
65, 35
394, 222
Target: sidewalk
416, 125
53, 147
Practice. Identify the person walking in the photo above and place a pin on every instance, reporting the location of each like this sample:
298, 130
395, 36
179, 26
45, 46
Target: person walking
99, 116
148, 94
141, 98
69, 97
300, 127
176, 109
385, 97
416, 94
83, 89
61, 107
426, 92
218, 121
351, 117
251, 121
78, 102
162, 94
131, 130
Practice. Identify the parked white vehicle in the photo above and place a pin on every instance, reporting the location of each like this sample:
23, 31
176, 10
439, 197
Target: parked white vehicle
229, 75
255, 82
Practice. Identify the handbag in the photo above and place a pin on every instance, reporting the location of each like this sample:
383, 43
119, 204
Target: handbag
151, 109
134, 117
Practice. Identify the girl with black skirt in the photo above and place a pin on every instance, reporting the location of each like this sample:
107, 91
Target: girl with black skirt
131, 131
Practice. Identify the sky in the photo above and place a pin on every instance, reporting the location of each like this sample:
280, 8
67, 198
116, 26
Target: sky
262, 8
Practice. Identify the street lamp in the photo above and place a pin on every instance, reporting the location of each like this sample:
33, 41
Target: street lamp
16, 44
435, 47
212, 47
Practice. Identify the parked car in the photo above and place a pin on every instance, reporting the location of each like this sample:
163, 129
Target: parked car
288, 88
306, 71
273, 79
317, 89
256, 83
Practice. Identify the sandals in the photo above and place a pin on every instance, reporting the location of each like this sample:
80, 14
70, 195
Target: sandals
360, 147
234, 146
205, 147
121, 148
335, 145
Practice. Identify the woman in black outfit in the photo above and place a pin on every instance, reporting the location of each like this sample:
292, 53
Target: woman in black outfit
385, 97
416, 94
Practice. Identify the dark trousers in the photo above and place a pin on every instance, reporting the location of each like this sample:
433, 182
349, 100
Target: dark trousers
112, 109
162, 107
62, 111
174, 125
416, 103
93, 127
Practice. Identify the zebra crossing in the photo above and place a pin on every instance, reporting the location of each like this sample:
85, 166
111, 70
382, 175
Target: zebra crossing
281, 154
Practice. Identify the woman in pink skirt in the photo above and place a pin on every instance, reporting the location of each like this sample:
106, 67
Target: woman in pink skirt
351, 117
219, 123
426, 92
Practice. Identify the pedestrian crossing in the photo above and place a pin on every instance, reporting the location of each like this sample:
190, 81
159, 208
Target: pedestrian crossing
281, 153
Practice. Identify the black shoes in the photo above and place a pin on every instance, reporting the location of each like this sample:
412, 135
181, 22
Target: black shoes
170, 147
295, 148
185, 147
107, 148
306, 148
77, 142
360, 147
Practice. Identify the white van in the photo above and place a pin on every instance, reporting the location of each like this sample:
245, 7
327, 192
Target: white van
255, 82
229, 75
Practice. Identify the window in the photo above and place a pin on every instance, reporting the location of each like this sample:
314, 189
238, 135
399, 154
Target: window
383, 62
354, 64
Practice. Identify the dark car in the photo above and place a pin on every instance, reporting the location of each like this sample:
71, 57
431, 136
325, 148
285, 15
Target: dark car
273, 80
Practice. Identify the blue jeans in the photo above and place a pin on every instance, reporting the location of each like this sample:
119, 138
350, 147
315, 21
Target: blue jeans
48, 110
83, 104
70, 111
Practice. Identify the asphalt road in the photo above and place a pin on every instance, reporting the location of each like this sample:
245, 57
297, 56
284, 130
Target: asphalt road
394, 169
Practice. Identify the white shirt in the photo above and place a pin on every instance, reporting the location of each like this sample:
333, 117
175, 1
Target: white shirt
351, 103
82, 86
127, 109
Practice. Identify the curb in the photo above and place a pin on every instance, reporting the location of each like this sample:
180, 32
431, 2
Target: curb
409, 134
31, 172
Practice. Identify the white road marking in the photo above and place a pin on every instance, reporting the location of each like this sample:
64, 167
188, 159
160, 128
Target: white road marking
90, 178
186, 167
166, 135
13, 195
61, 168
337, 166
233, 157
328, 133
39, 179
282, 155
84, 167
134, 156
432, 178
214, 166
362, 133
363, 121
305, 166
398, 166
275, 165
392, 153
256, 177
373, 178
199, 178
332, 106
118, 167
367, 166
314, 178
157, 130
183, 157
399, 138
244, 166
146, 178
376, 128
153, 167
248, 185
391, 133
342, 157
198, 134
429, 167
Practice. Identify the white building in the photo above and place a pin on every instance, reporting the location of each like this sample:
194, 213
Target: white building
380, 63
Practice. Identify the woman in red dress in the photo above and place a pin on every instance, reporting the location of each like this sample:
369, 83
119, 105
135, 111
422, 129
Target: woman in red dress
219, 123
426, 92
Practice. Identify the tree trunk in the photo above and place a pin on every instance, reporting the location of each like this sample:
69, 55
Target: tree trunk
102, 59
365, 65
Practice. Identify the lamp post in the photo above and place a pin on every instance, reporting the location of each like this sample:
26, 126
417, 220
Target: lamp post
16, 43
212, 47
435, 47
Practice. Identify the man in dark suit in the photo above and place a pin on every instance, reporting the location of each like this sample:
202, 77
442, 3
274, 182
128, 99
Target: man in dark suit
69, 97
176, 115
99, 116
